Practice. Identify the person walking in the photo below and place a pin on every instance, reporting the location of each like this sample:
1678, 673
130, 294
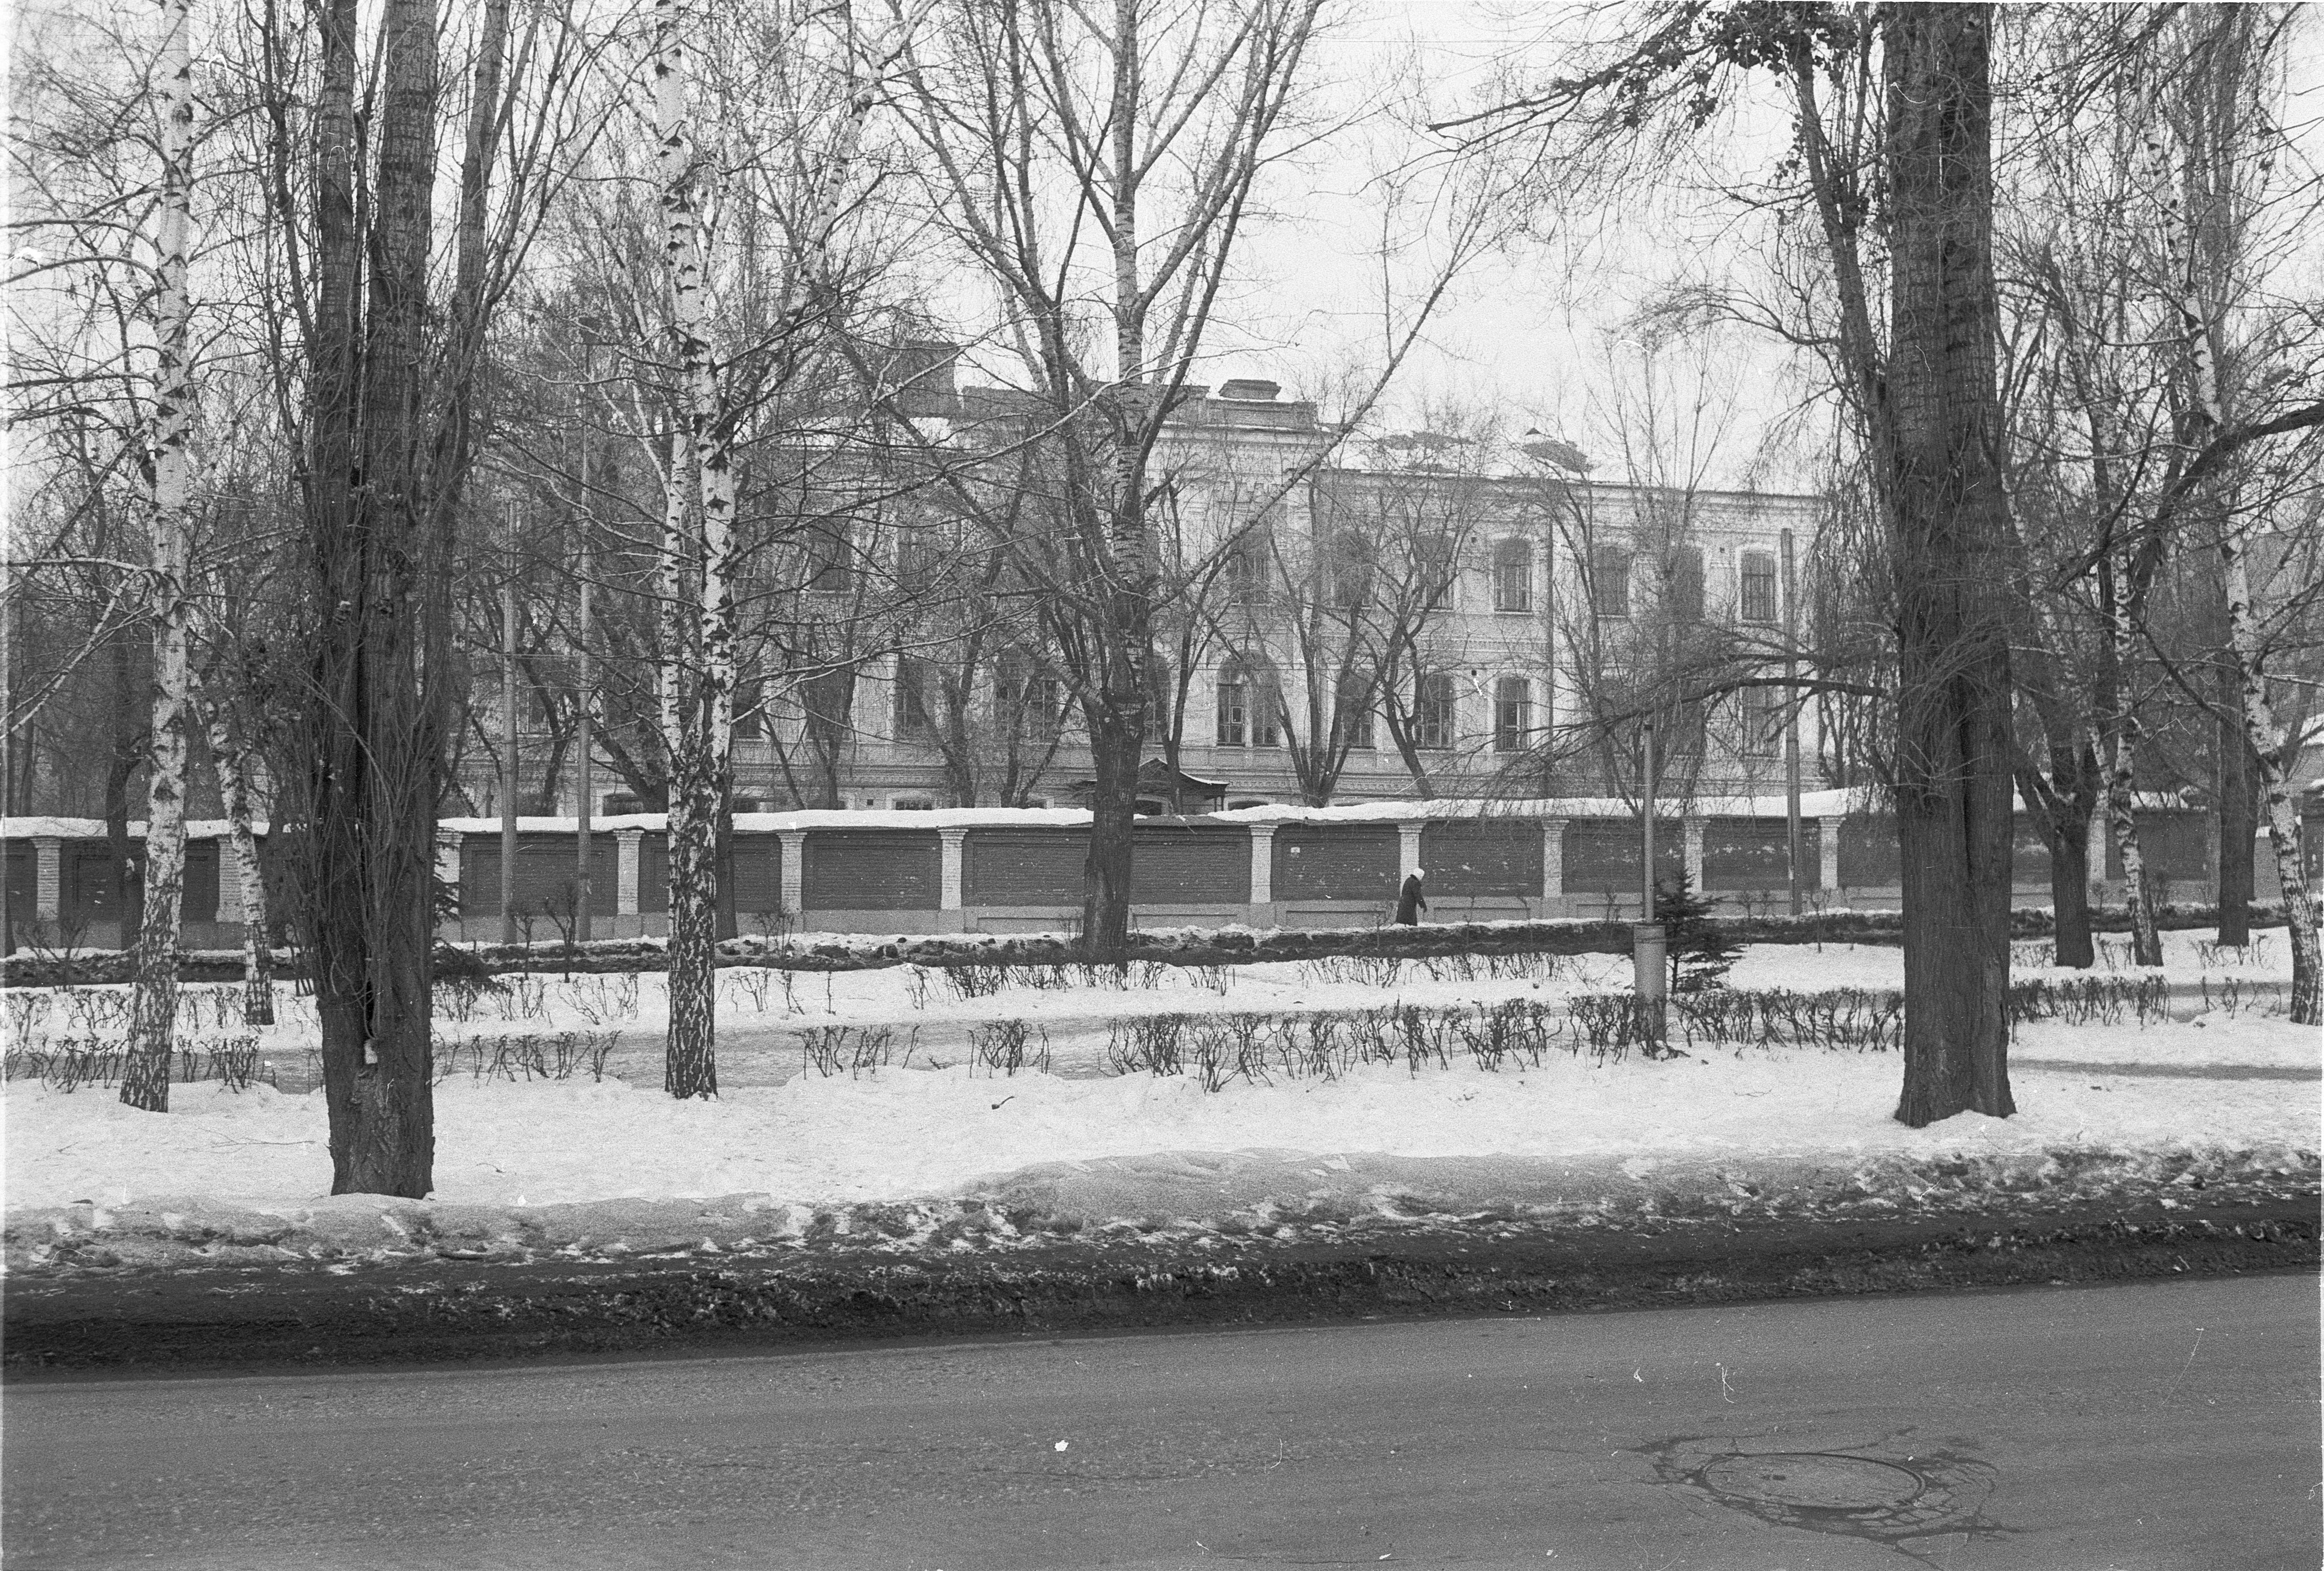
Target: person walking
1410, 900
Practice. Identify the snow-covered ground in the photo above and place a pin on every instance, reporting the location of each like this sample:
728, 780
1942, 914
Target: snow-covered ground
2241, 1081
908, 1133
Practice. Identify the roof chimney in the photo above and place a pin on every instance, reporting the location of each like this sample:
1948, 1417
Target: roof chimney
1251, 390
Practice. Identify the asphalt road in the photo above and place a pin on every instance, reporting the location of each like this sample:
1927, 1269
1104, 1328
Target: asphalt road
2163, 1425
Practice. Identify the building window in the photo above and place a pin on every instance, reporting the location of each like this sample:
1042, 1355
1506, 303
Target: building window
918, 566
1251, 569
1513, 574
1349, 572
1234, 708
1683, 589
1681, 732
1512, 713
914, 720
1026, 695
1435, 712
1758, 587
1609, 581
749, 711
830, 543
1439, 570
1763, 723
1355, 710
1248, 706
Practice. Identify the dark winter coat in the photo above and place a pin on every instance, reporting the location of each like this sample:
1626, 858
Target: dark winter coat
1410, 903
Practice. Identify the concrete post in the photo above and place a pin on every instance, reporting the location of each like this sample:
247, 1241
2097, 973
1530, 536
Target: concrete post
950, 880
48, 877
1828, 853
1262, 866
1407, 839
1553, 863
628, 846
794, 870
1690, 829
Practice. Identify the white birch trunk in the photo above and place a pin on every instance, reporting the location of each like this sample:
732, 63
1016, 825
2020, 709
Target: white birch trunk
232, 761
2275, 789
2206, 243
2120, 762
153, 1006
701, 729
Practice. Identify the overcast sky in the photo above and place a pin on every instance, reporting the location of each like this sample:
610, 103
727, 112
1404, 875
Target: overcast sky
1528, 333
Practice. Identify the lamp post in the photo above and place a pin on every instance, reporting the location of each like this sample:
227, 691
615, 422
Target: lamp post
1648, 952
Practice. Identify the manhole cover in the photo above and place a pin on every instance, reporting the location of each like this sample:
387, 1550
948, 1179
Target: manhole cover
1813, 1481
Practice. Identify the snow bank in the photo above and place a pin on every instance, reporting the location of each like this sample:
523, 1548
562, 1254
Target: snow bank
911, 1133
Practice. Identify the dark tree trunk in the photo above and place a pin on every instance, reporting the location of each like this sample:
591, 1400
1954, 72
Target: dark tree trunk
2061, 807
1116, 742
374, 777
2238, 812
2070, 898
1953, 572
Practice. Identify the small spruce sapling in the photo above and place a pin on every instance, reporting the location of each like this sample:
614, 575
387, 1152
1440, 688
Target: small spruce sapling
1700, 949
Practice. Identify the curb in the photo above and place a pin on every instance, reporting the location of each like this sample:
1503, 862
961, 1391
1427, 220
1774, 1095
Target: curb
441, 1310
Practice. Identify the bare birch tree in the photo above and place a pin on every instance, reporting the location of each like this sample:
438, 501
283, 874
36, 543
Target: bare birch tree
154, 1000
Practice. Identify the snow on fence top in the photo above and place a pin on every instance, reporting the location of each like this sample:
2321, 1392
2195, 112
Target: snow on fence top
1817, 804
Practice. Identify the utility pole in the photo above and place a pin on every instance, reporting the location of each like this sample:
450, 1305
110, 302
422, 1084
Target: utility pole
1791, 730
508, 735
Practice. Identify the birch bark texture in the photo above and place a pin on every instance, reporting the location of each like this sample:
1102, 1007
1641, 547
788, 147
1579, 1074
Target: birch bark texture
2210, 169
153, 1005
230, 759
698, 531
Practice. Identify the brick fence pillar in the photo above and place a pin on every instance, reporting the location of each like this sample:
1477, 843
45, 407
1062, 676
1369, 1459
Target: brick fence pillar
950, 881
48, 877
1262, 867
628, 853
794, 896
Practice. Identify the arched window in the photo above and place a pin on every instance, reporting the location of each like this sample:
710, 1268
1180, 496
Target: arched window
1435, 712
1759, 596
1512, 574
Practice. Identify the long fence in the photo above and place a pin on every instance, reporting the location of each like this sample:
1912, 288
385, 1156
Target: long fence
1003, 870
